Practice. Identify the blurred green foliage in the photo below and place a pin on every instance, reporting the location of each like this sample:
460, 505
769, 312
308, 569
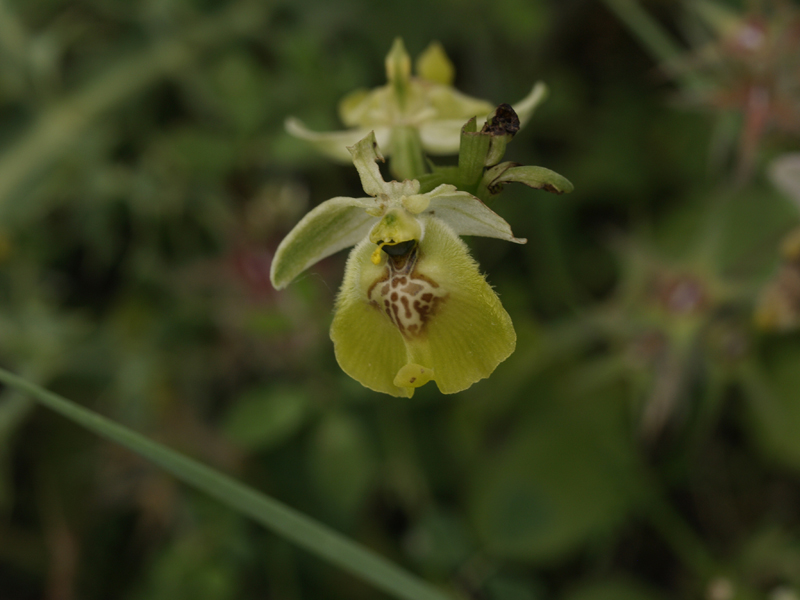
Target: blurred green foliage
642, 442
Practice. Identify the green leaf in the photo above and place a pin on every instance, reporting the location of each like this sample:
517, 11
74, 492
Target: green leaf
266, 417
275, 516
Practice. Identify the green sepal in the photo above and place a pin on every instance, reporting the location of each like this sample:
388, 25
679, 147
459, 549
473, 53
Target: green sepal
472, 154
539, 178
366, 156
478, 151
333, 144
398, 71
332, 226
434, 65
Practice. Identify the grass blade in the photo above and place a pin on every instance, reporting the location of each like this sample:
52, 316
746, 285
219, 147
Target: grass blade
279, 518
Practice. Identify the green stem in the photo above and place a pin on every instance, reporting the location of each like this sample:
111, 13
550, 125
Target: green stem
407, 160
60, 127
279, 518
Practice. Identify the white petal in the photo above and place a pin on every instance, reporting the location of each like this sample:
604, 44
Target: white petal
442, 136
333, 225
467, 215
332, 144
525, 107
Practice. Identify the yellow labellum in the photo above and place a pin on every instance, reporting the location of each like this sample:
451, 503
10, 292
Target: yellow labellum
425, 315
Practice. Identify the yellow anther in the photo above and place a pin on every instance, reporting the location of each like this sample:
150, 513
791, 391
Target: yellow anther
376, 256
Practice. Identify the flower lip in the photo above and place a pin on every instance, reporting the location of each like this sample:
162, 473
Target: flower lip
429, 315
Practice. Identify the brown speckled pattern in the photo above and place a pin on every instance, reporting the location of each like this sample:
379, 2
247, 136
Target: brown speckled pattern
406, 296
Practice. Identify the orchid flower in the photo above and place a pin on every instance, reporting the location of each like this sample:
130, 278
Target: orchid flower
413, 306
410, 115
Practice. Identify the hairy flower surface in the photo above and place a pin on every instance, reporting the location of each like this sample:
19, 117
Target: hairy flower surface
424, 109
413, 306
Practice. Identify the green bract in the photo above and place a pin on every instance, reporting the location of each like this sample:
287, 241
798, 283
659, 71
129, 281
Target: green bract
413, 306
409, 113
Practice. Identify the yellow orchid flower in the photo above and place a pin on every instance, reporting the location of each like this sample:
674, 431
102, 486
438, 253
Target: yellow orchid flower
410, 114
413, 306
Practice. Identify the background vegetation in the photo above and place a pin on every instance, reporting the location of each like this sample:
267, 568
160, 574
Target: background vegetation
641, 444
